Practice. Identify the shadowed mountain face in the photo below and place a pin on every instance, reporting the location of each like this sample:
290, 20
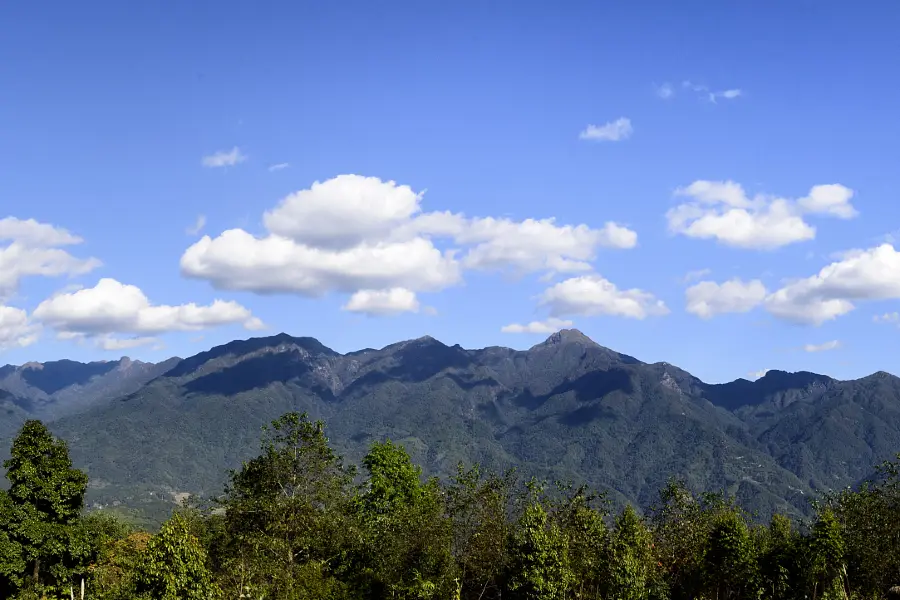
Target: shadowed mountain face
567, 408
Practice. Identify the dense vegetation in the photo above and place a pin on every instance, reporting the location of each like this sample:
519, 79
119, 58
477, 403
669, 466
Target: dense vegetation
295, 522
567, 408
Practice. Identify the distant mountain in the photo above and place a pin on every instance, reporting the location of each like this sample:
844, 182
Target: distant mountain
53, 389
567, 408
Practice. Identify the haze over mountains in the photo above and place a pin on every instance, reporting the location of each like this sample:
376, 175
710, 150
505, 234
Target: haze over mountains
567, 408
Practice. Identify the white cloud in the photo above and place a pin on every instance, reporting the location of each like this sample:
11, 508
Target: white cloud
383, 302
113, 344
723, 211
343, 212
237, 260
32, 233
32, 251
278, 167
590, 295
707, 298
614, 131
695, 275
550, 325
16, 330
893, 317
538, 245
872, 274
354, 233
198, 226
224, 158
665, 91
713, 95
113, 307
823, 347
832, 199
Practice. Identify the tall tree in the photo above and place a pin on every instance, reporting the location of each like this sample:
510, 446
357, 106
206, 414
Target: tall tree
286, 513
405, 549
40, 511
540, 568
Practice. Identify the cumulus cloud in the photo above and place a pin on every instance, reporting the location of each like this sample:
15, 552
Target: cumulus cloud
550, 325
538, 245
353, 233
872, 274
224, 158
823, 347
590, 295
343, 212
32, 233
383, 302
113, 307
16, 329
707, 298
33, 251
614, 131
721, 210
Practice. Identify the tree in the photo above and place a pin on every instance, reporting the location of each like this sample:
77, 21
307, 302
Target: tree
539, 555
174, 566
580, 519
731, 560
477, 504
826, 557
286, 514
39, 513
630, 562
406, 536
779, 569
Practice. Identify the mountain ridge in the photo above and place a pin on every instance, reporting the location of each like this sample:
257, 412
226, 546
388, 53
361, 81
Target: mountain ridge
566, 408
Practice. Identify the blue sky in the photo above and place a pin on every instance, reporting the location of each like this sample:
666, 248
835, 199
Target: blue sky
113, 115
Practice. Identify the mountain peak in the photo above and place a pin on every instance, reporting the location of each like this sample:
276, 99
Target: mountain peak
568, 336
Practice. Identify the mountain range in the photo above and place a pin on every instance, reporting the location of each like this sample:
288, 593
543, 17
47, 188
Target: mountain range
566, 409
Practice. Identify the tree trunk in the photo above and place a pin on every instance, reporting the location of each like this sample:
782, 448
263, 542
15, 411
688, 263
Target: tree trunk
37, 569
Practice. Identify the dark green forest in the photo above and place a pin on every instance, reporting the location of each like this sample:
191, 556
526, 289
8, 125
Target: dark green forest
296, 522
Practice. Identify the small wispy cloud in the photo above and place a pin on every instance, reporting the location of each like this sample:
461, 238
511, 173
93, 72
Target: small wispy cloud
710, 94
278, 167
224, 159
892, 317
551, 325
823, 347
614, 131
198, 226
110, 343
754, 375
695, 275
665, 91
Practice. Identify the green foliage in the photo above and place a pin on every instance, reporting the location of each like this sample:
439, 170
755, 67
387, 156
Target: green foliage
731, 560
539, 553
405, 544
286, 513
630, 562
174, 566
43, 546
296, 524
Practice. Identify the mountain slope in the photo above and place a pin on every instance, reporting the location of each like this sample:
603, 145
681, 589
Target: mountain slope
567, 408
